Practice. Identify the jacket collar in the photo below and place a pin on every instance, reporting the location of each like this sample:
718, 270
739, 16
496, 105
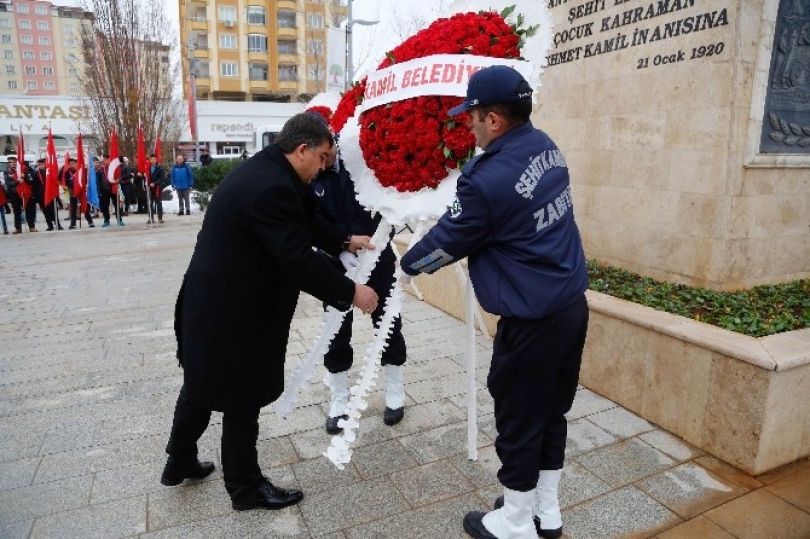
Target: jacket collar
277, 156
509, 136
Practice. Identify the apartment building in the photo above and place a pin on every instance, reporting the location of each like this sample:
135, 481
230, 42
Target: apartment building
257, 50
40, 48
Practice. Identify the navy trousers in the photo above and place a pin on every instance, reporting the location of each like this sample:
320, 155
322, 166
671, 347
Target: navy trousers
533, 380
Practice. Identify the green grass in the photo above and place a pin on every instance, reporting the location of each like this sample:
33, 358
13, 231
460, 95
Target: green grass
762, 310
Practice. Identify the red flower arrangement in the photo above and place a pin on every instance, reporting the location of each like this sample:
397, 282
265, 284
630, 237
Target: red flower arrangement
323, 110
411, 144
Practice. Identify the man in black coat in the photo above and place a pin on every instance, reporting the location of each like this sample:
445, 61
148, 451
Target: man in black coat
232, 318
157, 181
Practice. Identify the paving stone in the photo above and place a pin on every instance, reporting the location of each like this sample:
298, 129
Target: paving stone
441, 520
43, 499
671, 445
794, 488
192, 502
107, 520
16, 530
437, 388
626, 512
17, 473
620, 422
577, 484
441, 442
481, 472
346, 506
728, 472
584, 436
699, 527
430, 483
320, 474
625, 462
382, 459
689, 490
285, 523
276, 452
587, 402
131, 481
484, 404
760, 514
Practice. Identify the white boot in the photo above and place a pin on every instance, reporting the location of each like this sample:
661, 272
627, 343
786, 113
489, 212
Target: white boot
394, 387
339, 386
514, 519
547, 502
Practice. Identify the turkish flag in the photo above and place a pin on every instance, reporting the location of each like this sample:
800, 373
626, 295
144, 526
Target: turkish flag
114, 168
80, 180
51, 172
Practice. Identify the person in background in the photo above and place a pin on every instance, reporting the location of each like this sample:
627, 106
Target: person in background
253, 257
334, 190
75, 203
3, 202
182, 178
513, 216
157, 178
127, 184
16, 189
205, 157
39, 176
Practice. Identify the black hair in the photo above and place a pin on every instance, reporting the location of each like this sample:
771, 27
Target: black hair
304, 128
515, 113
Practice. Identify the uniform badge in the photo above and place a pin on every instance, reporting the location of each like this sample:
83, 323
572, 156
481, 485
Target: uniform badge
455, 208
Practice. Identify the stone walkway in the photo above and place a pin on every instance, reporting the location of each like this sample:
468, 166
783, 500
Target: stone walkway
88, 382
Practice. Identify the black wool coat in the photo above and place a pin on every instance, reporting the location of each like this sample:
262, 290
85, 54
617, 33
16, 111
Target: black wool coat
252, 259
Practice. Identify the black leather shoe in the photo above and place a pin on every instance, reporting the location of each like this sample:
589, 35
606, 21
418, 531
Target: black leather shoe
174, 474
332, 424
545, 534
269, 496
392, 417
474, 525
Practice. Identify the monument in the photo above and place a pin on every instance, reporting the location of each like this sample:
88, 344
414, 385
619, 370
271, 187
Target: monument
686, 126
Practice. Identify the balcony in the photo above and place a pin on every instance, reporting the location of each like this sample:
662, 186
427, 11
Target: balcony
202, 53
198, 24
287, 59
292, 5
284, 31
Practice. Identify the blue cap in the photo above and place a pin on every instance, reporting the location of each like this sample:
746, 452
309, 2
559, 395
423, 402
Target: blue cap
494, 84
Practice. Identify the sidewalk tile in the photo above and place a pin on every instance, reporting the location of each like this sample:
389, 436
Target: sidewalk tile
697, 528
621, 422
584, 436
671, 445
794, 489
627, 513
441, 442
430, 483
102, 521
18, 473
578, 484
382, 458
285, 523
761, 515
625, 462
45, 498
728, 472
197, 501
587, 402
320, 474
16, 530
689, 490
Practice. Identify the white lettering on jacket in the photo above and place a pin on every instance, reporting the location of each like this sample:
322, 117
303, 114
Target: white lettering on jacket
554, 210
537, 167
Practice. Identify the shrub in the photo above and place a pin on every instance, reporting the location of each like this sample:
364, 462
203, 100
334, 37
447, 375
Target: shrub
762, 310
208, 177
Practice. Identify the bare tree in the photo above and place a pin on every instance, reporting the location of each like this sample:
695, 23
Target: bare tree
129, 73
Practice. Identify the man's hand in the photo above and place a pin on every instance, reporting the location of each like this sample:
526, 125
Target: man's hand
365, 298
359, 242
348, 260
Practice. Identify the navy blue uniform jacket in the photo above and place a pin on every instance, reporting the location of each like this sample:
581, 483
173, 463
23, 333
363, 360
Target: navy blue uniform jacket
513, 217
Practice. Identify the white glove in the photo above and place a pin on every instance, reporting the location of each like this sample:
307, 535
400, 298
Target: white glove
349, 260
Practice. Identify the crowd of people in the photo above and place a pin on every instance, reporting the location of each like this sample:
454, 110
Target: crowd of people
133, 191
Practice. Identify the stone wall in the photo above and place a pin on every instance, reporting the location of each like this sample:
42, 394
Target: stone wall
658, 108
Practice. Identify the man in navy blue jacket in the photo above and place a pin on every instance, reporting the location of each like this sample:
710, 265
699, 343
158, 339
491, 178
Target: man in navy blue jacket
513, 217
334, 189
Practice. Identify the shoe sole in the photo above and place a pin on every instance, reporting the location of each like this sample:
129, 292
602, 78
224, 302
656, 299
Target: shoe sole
245, 507
393, 422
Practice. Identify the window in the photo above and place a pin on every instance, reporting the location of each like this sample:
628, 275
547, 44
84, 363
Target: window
68, 28
258, 71
5, 38
74, 86
32, 85
315, 20
43, 25
45, 41
228, 69
288, 73
28, 55
286, 47
8, 55
47, 71
227, 13
12, 85
256, 15
70, 43
46, 56
22, 8
40, 10
10, 70
30, 70
73, 72
227, 41
315, 46
71, 58
286, 19
315, 73
203, 71
50, 85
24, 24
27, 40
257, 43
5, 23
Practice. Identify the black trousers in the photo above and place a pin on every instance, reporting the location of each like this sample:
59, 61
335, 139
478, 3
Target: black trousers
105, 197
156, 207
340, 356
48, 211
533, 380
75, 210
240, 432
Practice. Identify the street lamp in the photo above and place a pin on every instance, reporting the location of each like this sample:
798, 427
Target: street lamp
349, 23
